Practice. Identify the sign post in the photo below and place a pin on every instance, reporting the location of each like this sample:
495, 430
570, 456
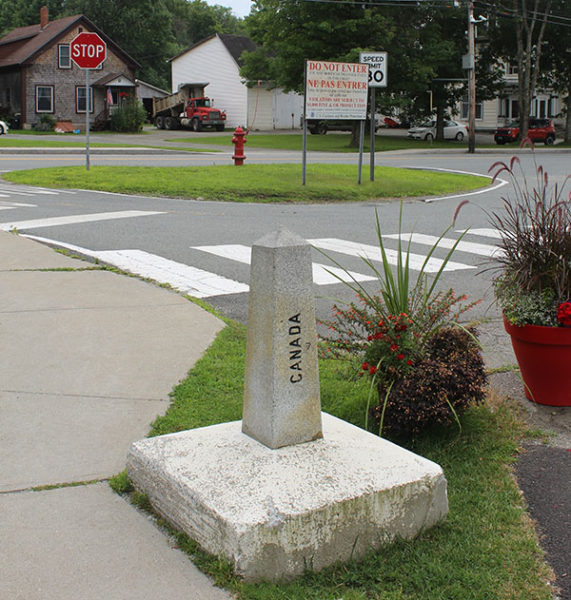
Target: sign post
88, 51
334, 90
377, 62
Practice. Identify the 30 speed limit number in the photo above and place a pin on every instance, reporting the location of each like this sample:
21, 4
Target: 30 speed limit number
377, 62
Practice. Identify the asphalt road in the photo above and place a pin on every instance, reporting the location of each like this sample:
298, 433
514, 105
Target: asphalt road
179, 230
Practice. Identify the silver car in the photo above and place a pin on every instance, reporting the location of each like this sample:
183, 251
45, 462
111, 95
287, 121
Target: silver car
3, 128
427, 131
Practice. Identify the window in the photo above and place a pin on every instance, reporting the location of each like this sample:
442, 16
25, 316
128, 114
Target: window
466, 108
80, 99
64, 58
45, 99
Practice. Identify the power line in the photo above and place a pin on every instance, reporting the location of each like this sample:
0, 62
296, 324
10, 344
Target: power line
504, 12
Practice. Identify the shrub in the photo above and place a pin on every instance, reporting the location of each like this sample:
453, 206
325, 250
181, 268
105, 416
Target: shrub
129, 117
447, 380
396, 334
47, 123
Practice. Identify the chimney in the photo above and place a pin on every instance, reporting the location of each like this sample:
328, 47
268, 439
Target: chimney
44, 17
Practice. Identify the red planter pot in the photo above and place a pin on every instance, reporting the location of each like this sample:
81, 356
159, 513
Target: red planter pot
544, 358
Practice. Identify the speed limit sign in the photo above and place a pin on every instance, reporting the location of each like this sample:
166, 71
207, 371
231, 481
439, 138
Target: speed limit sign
377, 62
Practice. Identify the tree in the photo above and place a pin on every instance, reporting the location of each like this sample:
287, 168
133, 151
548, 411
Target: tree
150, 31
425, 47
557, 57
519, 30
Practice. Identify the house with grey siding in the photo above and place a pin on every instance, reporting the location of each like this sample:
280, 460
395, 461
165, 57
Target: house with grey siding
38, 77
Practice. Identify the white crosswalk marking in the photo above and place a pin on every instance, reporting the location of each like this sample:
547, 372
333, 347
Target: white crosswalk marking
373, 253
448, 243
74, 219
322, 274
189, 280
485, 232
27, 191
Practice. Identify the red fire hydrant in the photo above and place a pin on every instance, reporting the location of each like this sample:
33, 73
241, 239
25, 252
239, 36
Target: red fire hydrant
239, 140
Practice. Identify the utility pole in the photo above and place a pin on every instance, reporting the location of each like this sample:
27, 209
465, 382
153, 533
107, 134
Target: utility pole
471, 80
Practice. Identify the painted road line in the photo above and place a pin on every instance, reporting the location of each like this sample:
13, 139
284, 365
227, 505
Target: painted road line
448, 243
322, 274
28, 192
373, 253
16, 204
189, 280
75, 219
484, 232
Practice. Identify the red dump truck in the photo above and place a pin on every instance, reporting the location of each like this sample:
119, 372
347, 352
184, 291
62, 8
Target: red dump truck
188, 108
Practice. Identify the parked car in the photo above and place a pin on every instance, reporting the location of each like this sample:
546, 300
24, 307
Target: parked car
427, 131
319, 127
3, 127
540, 130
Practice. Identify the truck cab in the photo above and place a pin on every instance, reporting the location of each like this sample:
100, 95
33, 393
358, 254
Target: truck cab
200, 112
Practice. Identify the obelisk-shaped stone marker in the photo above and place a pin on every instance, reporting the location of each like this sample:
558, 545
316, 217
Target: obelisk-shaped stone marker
282, 404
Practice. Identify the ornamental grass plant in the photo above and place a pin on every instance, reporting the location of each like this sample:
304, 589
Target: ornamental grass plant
408, 339
533, 280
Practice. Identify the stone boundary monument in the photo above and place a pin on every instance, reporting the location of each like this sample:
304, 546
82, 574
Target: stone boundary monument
288, 487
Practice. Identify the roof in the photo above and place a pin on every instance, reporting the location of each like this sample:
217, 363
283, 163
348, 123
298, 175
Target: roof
114, 79
235, 44
21, 45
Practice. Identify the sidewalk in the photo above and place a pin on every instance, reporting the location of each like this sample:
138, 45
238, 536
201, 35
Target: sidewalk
88, 360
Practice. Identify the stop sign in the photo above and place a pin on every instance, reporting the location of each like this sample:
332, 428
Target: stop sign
88, 50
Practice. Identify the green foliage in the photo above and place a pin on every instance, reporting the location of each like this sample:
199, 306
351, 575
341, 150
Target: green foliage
448, 379
47, 123
150, 31
534, 266
425, 45
128, 117
531, 308
120, 483
394, 332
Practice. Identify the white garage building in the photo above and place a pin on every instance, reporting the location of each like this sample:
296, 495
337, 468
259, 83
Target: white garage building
216, 59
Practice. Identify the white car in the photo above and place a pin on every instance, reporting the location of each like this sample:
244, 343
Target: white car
427, 131
3, 128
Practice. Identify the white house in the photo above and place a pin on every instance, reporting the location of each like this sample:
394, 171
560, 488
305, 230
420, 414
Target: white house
498, 111
216, 59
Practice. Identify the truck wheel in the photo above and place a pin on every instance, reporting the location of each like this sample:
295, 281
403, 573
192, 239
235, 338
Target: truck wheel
170, 123
159, 122
196, 125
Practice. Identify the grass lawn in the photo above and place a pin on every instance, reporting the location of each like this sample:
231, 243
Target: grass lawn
332, 142
254, 183
487, 547
36, 141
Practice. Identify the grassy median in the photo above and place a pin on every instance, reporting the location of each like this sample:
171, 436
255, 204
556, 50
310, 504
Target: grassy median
254, 183
487, 547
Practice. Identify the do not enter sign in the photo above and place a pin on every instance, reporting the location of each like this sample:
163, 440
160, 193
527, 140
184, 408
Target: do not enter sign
88, 50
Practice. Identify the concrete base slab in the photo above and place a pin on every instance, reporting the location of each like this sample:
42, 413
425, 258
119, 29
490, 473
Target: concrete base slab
87, 543
67, 438
273, 513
